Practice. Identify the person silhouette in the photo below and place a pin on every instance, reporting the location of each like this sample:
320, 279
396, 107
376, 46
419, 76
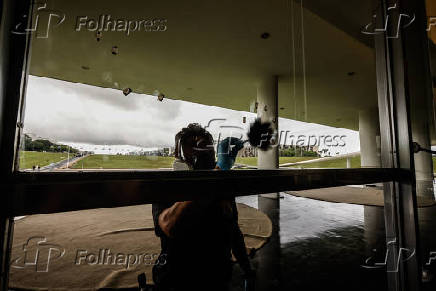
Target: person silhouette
198, 237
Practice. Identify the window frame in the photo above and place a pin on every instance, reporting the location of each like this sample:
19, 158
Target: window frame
29, 193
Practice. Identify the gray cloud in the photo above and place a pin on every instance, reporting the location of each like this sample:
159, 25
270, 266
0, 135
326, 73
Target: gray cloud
73, 112
112, 97
76, 112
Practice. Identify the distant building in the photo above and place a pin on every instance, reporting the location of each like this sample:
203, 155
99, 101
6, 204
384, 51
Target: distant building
248, 152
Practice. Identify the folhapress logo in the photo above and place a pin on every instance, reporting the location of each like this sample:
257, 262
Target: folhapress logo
45, 19
128, 26
404, 20
37, 253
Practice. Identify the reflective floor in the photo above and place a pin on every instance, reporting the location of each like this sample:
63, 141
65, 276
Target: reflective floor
318, 245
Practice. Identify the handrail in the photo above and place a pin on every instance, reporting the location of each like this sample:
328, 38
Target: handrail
33, 193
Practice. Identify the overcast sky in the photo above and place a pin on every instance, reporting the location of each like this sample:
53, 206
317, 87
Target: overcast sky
82, 114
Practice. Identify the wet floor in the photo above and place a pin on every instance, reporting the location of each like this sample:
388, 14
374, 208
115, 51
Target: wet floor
317, 245
320, 245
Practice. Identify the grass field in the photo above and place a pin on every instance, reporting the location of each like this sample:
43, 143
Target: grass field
123, 162
342, 163
434, 164
148, 162
29, 159
337, 163
252, 161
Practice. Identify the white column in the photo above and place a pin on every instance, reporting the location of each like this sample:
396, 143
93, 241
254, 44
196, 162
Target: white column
267, 103
369, 135
348, 163
267, 111
268, 257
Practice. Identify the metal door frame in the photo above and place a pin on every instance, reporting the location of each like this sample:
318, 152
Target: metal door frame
20, 190
401, 51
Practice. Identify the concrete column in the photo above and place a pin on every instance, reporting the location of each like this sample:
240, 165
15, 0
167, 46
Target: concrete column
267, 111
374, 225
348, 163
423, 160
267, 259
369, 135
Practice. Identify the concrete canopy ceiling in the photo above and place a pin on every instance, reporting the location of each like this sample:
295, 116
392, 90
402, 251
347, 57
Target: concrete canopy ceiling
213, 53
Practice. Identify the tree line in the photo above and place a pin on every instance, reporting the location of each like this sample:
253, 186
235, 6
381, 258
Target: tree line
297, 152
44, 145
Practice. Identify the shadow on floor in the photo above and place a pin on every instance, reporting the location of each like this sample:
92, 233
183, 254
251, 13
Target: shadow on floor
325, 245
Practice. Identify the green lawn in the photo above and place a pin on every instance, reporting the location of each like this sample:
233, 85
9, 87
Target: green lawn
148, 162
252, 161
337, 163
434, 164
123, 162
28, 159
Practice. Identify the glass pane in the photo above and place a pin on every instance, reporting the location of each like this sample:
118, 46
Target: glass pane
109, 247
109, 88
292, 236
423, 132
112, 84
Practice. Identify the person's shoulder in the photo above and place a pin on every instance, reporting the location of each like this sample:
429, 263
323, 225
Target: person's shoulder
156, 210
160, 206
